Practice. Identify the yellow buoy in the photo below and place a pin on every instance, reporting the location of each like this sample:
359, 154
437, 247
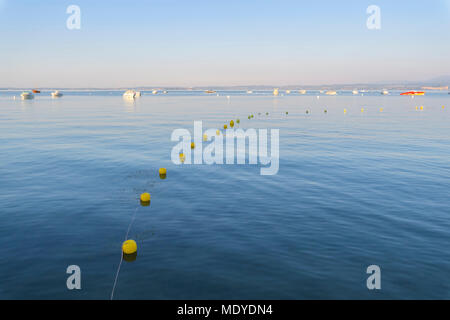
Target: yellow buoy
192, 145
225, 126
182, 157
417, 108
362, 109
421, 107
381, 109
129, 247
162, 171
238, 121
218, 132
205, 137
231, 123
145, 197
443, 107
345, 110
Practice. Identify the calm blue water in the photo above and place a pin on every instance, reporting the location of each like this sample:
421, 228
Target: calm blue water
353, 190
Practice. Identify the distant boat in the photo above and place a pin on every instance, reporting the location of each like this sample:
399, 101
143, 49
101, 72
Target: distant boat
288, 91
302, 91
27, 95
35, 91
57, 94
384, 92
129, 94
413, 93
275, 92
249, 91
155, 91
165, 92
355, 92
331, 93
210, 91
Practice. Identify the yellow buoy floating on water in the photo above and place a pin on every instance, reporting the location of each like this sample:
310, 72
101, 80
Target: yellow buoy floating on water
443, 107
218, 132
225, 126
231, 123
381, 109
192, 145
205, 137
145, 197
238, 121
362, 109
129, 247
421, 107
182, 157
345, 110
417, 108
162, 173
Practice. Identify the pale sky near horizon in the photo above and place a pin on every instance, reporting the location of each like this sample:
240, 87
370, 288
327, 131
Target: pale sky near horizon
198, 43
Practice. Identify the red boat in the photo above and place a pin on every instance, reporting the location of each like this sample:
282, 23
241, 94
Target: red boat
35, 91
413, 93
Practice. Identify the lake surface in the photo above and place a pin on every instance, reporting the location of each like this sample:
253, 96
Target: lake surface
353, 189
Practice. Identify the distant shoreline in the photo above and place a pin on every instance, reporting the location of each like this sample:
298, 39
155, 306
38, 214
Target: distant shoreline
345, 87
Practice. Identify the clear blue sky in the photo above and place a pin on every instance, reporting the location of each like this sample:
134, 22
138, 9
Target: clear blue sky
189, 43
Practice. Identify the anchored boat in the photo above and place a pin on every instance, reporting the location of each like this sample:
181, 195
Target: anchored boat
413, 93
129, 94
27, 95
56, 94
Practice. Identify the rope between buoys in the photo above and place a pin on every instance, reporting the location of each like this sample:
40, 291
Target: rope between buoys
121, 254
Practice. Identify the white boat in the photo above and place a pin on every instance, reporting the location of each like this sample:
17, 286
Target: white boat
288, 91
129, 94
331, 93
56, 94
249, 91
275, 92
137, 94
155, 91
355, 92
384, 92
27, 95
302, 91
